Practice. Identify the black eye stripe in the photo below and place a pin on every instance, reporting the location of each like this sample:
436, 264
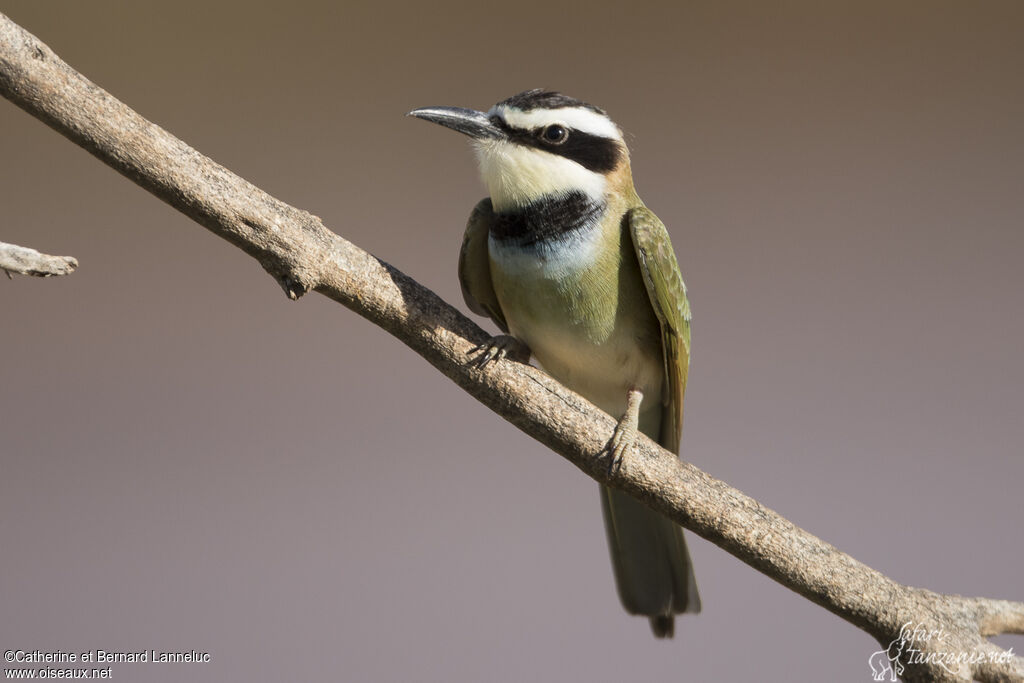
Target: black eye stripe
592, 152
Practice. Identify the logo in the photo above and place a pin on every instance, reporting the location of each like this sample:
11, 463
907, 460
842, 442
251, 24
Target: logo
917, 644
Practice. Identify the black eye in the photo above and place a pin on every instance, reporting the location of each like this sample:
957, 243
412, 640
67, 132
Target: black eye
555, 134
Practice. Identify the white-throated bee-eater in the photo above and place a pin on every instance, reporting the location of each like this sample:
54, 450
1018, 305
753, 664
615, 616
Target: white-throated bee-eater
566, 260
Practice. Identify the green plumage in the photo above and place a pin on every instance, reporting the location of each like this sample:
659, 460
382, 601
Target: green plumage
598, 325
667, 294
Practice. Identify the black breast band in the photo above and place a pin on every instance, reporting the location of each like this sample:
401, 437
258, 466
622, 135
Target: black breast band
548, 219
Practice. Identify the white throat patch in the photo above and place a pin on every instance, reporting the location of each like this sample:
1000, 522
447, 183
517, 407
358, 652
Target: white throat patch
516, 175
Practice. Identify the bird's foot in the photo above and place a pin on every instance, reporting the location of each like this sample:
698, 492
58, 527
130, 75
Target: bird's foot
497, 348
625, 431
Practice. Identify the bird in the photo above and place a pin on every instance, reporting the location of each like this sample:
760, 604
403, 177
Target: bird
576, 271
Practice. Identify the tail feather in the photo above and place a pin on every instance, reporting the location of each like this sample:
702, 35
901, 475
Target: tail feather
652, 566
663, 625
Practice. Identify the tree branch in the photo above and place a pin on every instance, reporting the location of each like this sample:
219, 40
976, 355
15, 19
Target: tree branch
303, 255
25, 261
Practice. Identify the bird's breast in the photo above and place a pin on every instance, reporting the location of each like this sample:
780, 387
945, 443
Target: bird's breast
577, 299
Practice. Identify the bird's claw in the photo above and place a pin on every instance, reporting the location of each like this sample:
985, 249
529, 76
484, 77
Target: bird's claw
625, 431
622, 438
498, 348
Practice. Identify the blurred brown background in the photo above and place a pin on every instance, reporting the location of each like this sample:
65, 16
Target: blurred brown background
191, 461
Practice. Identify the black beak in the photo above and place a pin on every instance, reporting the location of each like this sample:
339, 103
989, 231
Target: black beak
475, 124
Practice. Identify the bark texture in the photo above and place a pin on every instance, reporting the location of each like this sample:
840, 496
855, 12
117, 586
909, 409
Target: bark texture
303, 255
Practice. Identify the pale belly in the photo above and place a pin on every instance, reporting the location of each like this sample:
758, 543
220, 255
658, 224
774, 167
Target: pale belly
583, 311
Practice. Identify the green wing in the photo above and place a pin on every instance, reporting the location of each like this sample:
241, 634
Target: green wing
667, 292
475, 266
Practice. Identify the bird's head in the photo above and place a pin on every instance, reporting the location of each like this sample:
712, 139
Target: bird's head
538, 144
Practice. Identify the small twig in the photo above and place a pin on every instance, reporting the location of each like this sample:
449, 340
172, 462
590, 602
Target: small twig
25, 261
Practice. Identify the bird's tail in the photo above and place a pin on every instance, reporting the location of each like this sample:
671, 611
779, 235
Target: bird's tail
652, 565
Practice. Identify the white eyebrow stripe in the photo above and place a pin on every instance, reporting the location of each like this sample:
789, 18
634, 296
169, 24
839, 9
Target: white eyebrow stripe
583, 120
